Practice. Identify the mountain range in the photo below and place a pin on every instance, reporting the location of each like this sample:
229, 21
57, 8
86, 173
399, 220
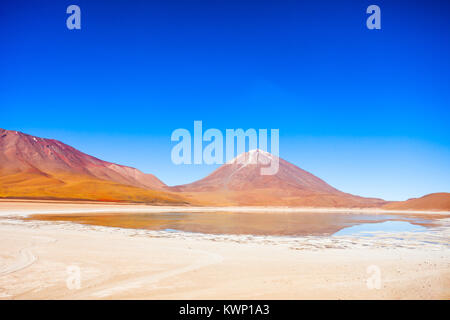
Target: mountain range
39, 168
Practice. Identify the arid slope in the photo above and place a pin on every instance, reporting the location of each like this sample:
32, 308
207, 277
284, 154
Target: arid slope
433, 201
38, 168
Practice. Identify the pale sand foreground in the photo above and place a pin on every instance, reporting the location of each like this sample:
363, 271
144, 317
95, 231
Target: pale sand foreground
142, 264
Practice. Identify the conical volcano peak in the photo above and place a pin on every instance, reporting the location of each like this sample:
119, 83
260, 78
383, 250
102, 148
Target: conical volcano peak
255, 156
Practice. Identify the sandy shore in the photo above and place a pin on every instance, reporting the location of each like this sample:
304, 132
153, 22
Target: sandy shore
23, 208
40, 260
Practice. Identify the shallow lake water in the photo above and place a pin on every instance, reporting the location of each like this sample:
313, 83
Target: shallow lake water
368, 229
280, 224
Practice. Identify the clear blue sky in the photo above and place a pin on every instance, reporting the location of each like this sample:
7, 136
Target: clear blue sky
365, 110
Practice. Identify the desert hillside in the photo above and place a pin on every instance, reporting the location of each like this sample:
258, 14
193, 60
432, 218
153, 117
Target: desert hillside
433, 201
38, 168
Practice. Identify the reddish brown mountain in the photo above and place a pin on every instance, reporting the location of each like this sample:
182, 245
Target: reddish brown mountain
37, 167
21, 152
240, 182
433, 201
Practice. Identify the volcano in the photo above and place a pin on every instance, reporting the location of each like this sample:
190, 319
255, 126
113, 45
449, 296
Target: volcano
241, 182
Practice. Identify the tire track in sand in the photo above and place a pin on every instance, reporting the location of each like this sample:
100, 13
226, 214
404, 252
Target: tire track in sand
25, 259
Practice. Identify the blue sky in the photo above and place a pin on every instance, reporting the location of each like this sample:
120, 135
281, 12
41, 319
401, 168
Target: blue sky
365, 110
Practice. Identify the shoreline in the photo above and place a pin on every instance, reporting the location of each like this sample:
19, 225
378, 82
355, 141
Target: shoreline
427, 238
24, 208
